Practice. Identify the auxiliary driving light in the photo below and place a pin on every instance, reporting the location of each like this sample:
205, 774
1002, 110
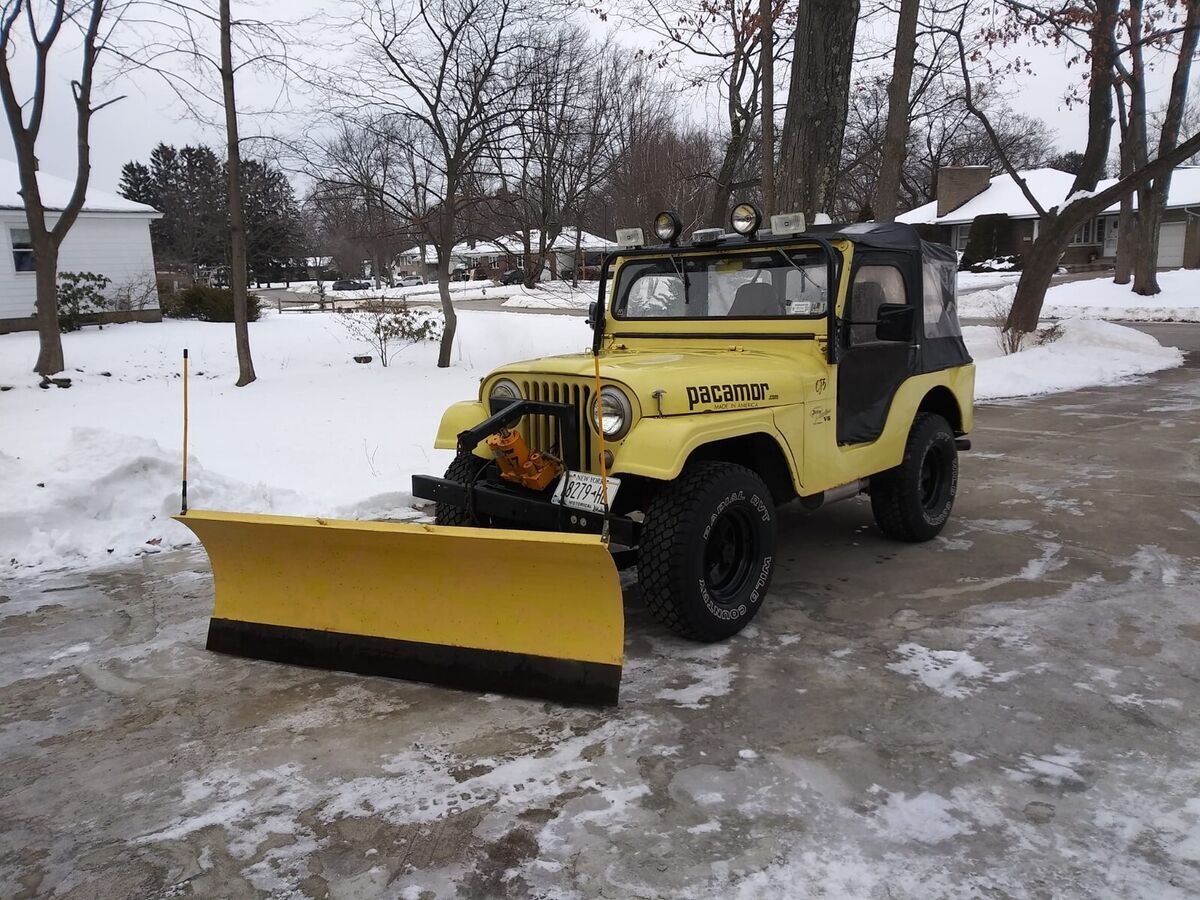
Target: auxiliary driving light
745, 219
667, 226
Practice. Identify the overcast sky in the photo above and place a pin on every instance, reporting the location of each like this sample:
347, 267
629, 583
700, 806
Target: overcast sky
151, 113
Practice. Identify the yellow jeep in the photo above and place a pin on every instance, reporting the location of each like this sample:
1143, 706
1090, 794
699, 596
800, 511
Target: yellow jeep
737, 372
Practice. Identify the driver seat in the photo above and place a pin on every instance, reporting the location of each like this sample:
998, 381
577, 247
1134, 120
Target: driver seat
755, 299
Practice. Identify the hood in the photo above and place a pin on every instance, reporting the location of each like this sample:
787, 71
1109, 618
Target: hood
692, 380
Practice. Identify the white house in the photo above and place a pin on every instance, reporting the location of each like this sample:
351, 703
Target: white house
111, 237
966, 192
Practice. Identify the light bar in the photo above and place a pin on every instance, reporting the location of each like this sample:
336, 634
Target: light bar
707, 235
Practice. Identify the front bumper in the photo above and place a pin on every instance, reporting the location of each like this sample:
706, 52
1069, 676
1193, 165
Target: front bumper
523, 508
511, 503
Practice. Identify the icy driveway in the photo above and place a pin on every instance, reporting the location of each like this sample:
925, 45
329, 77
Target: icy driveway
1007, 712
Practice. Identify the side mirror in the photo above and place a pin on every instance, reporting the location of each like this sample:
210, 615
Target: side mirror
591, 319
895, 322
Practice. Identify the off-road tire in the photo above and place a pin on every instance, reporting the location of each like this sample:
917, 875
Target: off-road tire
691, 579
912, 502
464, 469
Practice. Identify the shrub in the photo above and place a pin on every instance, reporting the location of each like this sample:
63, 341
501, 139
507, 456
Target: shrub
389, 328
79, 294
208, 304
990, 237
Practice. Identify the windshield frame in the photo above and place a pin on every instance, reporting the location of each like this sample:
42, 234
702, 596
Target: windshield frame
606, 300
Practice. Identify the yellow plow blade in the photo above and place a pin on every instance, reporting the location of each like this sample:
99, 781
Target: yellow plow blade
520, 612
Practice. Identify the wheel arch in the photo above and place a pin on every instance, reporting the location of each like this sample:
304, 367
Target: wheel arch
757, 451
941, 401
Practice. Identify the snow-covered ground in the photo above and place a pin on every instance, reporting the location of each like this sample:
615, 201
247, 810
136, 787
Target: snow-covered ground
91, 473
981, 296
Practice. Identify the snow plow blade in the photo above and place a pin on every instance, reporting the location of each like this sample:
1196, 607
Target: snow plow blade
527, 613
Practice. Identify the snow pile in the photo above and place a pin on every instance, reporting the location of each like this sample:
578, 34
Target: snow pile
91, 473
1089, 353
1093, 298
96, 468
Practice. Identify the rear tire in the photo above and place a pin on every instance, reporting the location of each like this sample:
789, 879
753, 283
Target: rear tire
465, 468
912, 502
706, 550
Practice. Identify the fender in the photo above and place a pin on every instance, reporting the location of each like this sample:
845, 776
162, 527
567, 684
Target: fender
457, 418
658, 447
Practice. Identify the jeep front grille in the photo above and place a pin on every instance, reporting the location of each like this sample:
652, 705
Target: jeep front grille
541, 432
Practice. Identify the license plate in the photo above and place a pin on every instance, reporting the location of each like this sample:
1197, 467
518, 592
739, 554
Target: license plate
582, 490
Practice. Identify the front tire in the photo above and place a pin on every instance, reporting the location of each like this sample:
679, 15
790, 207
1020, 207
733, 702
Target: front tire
706, 550
465, 469
912, 502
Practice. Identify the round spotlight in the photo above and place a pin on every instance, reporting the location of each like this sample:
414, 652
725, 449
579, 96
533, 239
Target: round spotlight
745, 219
667, 226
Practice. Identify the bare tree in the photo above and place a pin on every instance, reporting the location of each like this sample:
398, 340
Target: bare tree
818, 96
896, 138
716, 47
176, 43
237, 220
25, 118
766, 52
1152, 198
1094, 32
447, 68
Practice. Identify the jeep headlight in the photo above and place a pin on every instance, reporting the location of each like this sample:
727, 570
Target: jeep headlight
503, 393
612, 412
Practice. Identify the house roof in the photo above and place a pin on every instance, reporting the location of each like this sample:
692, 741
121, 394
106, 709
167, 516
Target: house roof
56, 193
1051, 187
1185, 189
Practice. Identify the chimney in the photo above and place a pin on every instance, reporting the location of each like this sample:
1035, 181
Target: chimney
958, 184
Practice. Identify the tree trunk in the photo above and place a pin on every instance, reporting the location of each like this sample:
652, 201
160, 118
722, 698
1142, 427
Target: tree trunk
1040, 264
1126, 221
723, 189
895, 139
767, 107
1154, 201
50, 350
443, 277
1127, 235
578, 257
818, 96
1145, 260
237, 223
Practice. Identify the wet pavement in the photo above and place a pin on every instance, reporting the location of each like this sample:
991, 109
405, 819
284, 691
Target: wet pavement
1007, 711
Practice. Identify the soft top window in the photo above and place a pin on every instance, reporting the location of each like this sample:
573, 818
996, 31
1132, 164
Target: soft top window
768, 284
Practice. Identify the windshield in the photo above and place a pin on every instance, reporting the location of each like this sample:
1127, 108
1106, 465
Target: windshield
768, 284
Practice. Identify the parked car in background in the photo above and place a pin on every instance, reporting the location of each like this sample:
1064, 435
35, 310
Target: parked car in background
410, 281
512, 276
347, 285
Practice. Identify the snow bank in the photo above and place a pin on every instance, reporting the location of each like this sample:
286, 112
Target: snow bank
1089, 353
91, 473
316, 434
1093, 298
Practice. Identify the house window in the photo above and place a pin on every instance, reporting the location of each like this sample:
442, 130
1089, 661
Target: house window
961, 234
1088, 233
22, 247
